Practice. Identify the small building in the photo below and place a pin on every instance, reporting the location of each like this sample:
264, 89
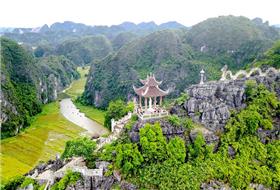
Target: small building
151, 92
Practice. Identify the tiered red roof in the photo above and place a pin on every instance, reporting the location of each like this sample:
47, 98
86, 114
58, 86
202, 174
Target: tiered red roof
150, 88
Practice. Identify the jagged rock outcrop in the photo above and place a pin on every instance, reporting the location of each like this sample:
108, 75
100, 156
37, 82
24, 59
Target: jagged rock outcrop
54, 170
214, 185
167, 129
211, 103
170, 131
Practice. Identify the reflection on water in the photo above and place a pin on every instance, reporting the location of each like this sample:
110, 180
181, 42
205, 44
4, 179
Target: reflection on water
70, 112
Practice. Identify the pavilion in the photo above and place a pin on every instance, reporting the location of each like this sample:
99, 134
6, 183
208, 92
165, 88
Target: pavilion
150, 91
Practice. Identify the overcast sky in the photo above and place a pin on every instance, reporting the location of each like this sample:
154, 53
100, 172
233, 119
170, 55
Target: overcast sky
33, 13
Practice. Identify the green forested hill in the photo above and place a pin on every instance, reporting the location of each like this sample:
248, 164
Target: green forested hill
83, 51
177, 56
236, 40
271, 57
19, 99
165, 53
122, 39
27, 82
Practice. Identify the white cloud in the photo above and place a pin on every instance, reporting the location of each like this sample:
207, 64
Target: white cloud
32, 13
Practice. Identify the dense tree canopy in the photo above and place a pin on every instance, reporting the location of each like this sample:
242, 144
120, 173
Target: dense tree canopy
271, 57
79, 147
172, 165
116, 110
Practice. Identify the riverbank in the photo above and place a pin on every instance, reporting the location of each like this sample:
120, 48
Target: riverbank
77, 89
45, 137
73, 114
47, 134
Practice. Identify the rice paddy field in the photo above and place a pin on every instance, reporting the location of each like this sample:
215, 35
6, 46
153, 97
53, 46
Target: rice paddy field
46, 136
77, 87
41, 141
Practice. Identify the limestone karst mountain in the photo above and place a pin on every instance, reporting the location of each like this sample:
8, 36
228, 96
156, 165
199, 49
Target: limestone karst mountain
27, 82
59, 32
177, 56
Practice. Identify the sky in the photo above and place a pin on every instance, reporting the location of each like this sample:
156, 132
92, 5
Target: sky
34, 13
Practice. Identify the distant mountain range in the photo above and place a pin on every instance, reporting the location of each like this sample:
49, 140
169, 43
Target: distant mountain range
177, 56
59, 32
69, 26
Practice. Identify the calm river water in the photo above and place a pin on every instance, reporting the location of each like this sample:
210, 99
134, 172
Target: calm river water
70, 112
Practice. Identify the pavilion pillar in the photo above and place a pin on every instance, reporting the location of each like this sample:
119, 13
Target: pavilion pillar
155, 101
140, 101
160, 101
146, 103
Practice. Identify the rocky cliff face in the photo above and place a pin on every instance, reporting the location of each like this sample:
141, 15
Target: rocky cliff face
55, 170
211, 103
27, 82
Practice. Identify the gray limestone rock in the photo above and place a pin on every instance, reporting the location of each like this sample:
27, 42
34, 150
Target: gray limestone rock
211, 103
214, 185
127, 186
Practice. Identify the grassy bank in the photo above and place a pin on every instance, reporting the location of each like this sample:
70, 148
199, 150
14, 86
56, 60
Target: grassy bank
47, 134
92, 113
41, 141
76, 89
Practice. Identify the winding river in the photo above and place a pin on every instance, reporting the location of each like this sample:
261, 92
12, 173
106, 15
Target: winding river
71, 113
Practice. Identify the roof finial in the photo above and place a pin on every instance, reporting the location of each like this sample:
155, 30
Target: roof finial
202, 72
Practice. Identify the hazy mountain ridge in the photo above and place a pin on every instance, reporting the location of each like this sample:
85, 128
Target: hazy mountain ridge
85, 50
68, 29
177, 56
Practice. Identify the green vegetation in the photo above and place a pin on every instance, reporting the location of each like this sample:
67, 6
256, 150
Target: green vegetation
177, 56
83, 147
116, 110
76, 90
21, 182
263, 107
271, 57
180, 122
69, 179
18, 87
28, 181
27, 82
77, 86
131, 122
85, 50
128, 158
181, 99
60, 67
80, 147
13, 183
156, 163
45, 137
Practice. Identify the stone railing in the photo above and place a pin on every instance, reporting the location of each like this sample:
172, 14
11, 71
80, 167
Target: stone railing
146, 116
120, 121
77, 164
116, 128
242, 73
